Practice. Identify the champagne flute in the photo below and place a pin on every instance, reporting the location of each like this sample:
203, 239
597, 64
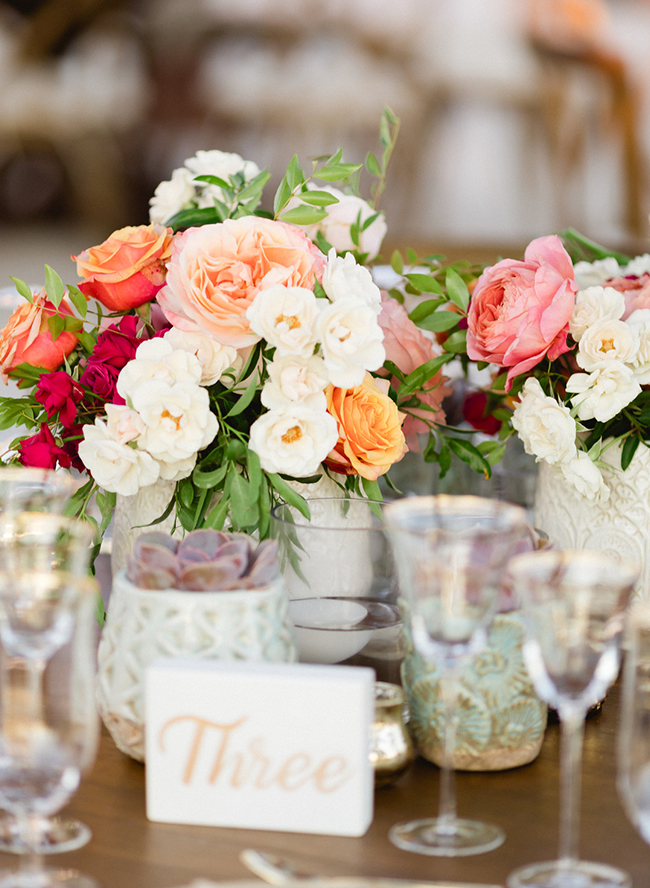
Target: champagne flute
451, 552
574, 607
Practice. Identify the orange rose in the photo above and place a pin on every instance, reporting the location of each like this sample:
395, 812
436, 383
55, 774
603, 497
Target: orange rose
128, 269
370, 429
26, 339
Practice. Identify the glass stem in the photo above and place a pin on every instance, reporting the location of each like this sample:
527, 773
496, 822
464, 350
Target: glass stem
572, 729
447, 810
31, 863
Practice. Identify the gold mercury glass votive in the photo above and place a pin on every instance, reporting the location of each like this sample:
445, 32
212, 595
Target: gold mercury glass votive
392, 751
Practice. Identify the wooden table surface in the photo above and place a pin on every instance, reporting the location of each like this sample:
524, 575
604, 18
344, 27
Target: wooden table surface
127, 851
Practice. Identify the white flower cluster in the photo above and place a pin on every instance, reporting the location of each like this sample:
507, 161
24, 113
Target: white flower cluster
166, 420
590, 274
182, 191
317, 342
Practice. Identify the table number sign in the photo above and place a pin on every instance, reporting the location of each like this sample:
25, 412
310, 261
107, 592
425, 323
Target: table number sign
260, 745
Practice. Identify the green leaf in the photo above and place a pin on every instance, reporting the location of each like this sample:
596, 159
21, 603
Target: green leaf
217, 515
318, 198
53, 286
303, 215
196, 216
243, 501
629, 449
289, 495
253, 191
468, 453
457, 289
372, 164
373, 491
396, 261
213, 180
294, 174
253, 358
22, 288
319, 291
87, 341
440, 321
425, 283
72, 325
209, 480
397, 295
422, 374
282, 196
368, 222
456, 343
254, 471
492, 450
337, 171
444, 460
236, 449
412, 256
56, 326
245, 399
78, 299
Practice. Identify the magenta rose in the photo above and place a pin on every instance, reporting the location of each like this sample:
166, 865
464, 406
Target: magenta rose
117, 345
42, 452
520, 311
59, 393
100, 380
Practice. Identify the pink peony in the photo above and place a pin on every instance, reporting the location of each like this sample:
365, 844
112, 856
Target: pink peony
407, 347
520, 311
635, 290
216, 271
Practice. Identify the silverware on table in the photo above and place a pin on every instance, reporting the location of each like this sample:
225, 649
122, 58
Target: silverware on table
278, 871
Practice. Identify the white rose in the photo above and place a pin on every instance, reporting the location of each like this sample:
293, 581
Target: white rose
640, 321
286, 317
178, 420
604, 392
214, 357
158, 359
293, 440
116, 467
593, 274
220, 164
172, 196
123, 424
585, 477
638, 266
607, 341
335, 227
595, 304
293, 379
545, 427
351, 341
344, 277
177, 469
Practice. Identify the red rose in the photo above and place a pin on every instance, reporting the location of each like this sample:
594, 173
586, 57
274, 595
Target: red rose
70, 438
101, 380
474, 413
59, 393
117, 345
42, 452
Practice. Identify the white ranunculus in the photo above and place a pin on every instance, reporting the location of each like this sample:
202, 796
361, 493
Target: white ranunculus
293, 379
351, 341
123, 424
172, 196
286, 317
604, 392
214, 357
586, 477
640, 364
116, 467
335, 227
638, 266
177, 418
594, 274
545, 427
293, 440
157, 359
595, 304
344, 277
605, 342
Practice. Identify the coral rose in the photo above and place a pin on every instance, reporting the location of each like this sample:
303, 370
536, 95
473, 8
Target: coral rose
370, 429
26, 338
216, 271
520, 311
128, 269
408, 348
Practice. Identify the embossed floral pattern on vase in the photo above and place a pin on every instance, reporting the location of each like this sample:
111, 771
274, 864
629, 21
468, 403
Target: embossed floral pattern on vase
500, 721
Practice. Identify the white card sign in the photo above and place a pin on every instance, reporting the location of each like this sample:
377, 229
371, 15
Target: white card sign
260, 745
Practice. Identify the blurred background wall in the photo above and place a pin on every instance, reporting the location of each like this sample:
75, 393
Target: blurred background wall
519, 117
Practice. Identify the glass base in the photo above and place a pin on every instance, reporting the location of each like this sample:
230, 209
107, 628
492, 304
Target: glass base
446, 838
578, 874
46, 878
58, 836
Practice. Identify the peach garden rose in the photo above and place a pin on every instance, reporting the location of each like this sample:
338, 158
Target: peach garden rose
216, 271
370, 429
128, 269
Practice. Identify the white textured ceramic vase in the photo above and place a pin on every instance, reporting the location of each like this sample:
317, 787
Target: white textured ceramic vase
141, 625
132, 516
620, 527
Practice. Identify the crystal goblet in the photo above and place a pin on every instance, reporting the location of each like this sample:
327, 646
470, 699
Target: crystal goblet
451, 552
574, 607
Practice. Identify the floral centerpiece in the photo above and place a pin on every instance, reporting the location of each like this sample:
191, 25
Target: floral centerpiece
230, 348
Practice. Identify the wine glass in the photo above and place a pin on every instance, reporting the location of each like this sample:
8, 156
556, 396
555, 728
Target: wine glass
450, 553
574, 608
49, 718
25, 489
35, 619
634, 732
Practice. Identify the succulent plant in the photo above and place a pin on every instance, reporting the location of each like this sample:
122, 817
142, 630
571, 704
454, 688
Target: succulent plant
204, 561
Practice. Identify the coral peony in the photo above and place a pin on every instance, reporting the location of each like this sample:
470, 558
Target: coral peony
216, 272
520, 311
128, 269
